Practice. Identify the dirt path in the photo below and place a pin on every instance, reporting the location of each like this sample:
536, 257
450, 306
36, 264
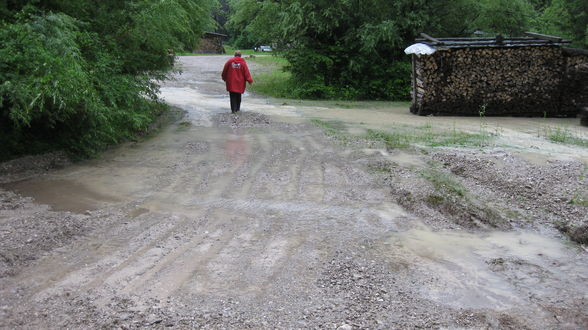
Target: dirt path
260, 220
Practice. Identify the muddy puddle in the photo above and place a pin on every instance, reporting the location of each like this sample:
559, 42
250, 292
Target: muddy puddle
499, 270
61, 195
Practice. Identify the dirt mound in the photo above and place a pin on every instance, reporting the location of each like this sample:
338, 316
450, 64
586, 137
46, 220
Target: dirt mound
443, 200
493, 190
577, 232
554, 194
29, 230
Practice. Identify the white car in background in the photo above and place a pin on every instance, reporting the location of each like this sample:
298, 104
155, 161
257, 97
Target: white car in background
264, 49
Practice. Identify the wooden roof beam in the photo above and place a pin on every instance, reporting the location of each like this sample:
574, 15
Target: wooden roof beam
544, 36
428, 37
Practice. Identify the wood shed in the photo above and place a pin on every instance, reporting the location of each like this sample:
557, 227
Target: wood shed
526, 76
211, 43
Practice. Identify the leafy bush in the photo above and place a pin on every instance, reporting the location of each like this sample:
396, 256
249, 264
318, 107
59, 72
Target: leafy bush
80, 75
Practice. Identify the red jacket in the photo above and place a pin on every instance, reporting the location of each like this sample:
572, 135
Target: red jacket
235, 74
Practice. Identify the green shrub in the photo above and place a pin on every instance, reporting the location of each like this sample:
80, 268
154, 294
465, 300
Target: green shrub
82, 75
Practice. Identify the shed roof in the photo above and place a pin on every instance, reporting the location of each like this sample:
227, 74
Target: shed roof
532, 39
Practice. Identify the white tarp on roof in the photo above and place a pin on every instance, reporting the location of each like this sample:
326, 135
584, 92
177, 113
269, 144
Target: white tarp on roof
420, 49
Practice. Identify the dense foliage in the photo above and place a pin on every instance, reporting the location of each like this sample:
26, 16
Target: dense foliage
81, 74
353, 48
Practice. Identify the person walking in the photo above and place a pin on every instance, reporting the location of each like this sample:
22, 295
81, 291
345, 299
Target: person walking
235, 75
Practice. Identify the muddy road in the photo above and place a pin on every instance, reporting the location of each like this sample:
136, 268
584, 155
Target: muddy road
261, 220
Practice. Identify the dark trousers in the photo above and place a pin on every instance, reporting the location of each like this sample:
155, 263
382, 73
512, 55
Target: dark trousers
235, 101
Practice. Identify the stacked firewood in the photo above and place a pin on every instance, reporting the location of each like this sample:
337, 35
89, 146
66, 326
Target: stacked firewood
575, 90
517, 81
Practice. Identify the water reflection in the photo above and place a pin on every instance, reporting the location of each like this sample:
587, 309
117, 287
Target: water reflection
236, 149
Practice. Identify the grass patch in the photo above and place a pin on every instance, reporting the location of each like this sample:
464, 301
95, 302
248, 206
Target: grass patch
451, 198
184, 126
513, 214
331, 128
195, 54
579, 199
276, 84
443, 182
405, 136
270, 78
392, 139
434, 199
380, 168
565, 136
269, 63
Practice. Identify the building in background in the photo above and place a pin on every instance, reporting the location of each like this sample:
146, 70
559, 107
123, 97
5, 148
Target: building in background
211, 43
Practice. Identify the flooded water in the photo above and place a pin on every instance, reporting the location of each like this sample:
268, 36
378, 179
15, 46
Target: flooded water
62, 195
258, 216
165, 168
493, 270
527, 135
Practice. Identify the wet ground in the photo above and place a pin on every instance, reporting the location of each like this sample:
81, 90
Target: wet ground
260, 220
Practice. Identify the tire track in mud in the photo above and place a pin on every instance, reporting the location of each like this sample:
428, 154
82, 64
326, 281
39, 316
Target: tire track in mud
76, 267
171, 270
190, 265
222, 183
281, 175
147, 234
299, 167
152, 249
217, 262
156, 253
168, 189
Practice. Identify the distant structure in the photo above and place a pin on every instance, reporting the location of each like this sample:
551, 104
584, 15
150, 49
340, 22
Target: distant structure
211, 43
528, 76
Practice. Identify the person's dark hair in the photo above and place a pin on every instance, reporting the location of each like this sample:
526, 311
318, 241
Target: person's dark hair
238, 53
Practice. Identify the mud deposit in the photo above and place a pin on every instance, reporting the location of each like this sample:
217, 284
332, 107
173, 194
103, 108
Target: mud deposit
260, 220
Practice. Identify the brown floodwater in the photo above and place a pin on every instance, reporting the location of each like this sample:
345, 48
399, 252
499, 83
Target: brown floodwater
258, 214
61, 195
491, 270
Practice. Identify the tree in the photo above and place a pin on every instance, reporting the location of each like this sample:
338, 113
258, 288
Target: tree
566, 18
81, 74
221, 16
350, 48
509, 17
253, 23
